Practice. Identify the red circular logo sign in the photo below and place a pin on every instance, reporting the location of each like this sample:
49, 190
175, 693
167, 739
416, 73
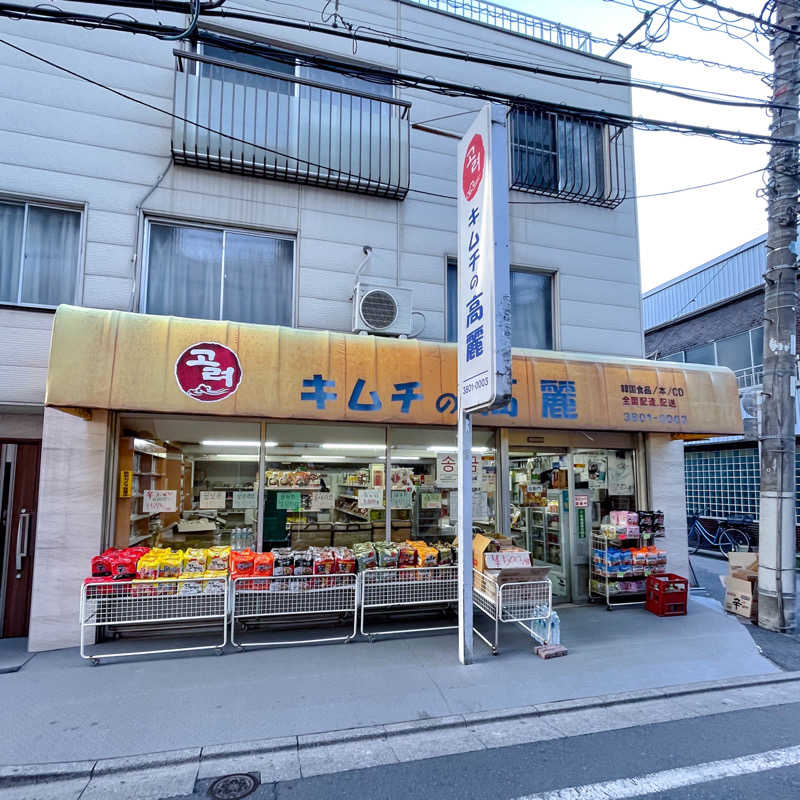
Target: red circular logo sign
208, 371
474, 162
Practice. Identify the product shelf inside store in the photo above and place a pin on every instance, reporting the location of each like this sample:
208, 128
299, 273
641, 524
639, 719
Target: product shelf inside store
353, 514
136, 539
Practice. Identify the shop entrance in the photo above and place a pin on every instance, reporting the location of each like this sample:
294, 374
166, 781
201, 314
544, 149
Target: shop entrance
560, 496
19, 487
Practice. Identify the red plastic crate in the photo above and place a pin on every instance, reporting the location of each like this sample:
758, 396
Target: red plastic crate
667, 595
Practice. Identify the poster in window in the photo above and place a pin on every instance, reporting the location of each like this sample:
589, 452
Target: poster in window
598, 472
620, 473
212, 500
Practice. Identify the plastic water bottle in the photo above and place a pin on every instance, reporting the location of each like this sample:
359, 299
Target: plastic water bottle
555, 628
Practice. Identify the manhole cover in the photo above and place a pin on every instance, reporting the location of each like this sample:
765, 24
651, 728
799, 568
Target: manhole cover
232, 787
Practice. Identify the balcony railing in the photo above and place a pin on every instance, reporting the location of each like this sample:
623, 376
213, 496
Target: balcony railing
750, 376
238, 118
512, 20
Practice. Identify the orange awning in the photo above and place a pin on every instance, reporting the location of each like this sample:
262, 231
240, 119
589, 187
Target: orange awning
128, 362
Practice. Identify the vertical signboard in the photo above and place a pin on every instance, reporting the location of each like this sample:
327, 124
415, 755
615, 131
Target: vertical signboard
484, 300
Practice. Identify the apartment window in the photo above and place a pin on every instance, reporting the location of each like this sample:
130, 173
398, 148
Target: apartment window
531, 307
286, 65
565, 156
39, 253
672, 357
701, 355
216, 273
734, 352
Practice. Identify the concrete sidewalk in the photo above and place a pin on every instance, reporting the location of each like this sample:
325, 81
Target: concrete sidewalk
61, 709
190, 771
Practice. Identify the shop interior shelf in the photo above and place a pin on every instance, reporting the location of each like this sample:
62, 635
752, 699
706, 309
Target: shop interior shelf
136, 539
150, 474
137, 517
353, 514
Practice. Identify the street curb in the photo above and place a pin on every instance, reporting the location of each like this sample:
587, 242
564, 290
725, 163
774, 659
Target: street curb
16, 775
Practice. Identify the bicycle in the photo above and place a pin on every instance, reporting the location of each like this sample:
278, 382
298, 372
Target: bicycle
726, 538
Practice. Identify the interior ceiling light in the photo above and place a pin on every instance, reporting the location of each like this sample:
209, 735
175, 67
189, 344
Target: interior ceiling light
234, 443
228, 457
333, 446
322, 458
448, 449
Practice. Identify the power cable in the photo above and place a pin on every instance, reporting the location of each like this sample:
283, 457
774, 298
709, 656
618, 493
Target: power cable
453, 89
426, 49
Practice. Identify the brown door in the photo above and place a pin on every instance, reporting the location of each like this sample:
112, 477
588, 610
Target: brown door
19, 488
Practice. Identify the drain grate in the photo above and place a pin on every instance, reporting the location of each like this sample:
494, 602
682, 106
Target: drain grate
233, 787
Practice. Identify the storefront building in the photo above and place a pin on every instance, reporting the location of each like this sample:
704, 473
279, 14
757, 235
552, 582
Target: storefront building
265, 435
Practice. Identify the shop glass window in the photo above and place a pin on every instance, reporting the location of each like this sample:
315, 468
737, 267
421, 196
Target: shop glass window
531, 307
734, 352
672, 357
211, 273
211, 466
39, 254
701, 355
324, 484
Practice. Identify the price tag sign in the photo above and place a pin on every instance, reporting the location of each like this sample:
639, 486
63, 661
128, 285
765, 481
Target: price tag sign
212, 500
370, 498
581, 501
159, 501
289, 501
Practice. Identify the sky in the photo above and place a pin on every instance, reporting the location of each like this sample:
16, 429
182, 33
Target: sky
681, 231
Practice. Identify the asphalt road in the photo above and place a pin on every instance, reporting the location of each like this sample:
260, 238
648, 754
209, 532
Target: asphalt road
665, 752
781, 649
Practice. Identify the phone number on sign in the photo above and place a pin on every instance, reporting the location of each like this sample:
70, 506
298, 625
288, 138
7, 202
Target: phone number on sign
667, 419
480, 383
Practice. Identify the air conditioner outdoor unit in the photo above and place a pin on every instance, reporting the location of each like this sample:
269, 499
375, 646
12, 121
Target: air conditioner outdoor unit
381, 309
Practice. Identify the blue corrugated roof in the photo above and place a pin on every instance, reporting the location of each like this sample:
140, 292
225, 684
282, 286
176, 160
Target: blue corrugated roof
725, 276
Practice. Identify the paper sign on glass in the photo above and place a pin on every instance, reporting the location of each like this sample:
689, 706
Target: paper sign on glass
321, 501
212, 500
244, 500
401, 499
431, 500
370, 498
159, 501
289, 501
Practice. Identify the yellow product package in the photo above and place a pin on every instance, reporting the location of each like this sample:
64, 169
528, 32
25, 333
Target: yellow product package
166, 586
195, 561
169, 565
215, 582
218, 558
188, 587
140, 588
147, 567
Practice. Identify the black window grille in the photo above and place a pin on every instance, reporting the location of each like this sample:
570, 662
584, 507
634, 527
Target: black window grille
567, 157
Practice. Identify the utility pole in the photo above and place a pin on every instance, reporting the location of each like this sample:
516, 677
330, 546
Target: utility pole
776, 586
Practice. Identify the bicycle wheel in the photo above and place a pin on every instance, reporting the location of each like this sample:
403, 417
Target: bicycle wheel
734, 539
694, 541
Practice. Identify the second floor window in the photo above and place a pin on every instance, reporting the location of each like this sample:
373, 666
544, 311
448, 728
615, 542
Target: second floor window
531, 307
39, 254
216, 273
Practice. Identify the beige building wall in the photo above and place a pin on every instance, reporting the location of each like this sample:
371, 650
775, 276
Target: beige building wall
665, 477
70, 524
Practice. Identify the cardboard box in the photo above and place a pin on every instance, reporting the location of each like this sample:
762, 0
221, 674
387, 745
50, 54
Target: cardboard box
196, 525
741, 597
480, 546
741, 585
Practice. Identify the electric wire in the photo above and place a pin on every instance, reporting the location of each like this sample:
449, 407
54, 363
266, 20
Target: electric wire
437, 51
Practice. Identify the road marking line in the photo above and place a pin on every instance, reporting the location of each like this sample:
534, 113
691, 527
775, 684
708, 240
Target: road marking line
675, 778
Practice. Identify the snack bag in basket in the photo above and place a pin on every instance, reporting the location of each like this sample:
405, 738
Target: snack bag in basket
218, 558
242, 561
195, 561
169, 565
345, 560
216, 582
189, 587
148, 567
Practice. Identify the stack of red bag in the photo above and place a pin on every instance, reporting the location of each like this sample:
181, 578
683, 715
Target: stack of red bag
115, 564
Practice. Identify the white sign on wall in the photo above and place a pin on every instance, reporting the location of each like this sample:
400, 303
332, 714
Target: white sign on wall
159, 501
484, 299
370, 498
212, 500
446, 470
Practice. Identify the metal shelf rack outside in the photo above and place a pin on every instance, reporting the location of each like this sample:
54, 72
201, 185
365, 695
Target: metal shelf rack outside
293, 596
384, 588
518, 602
607, 576
121, 603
